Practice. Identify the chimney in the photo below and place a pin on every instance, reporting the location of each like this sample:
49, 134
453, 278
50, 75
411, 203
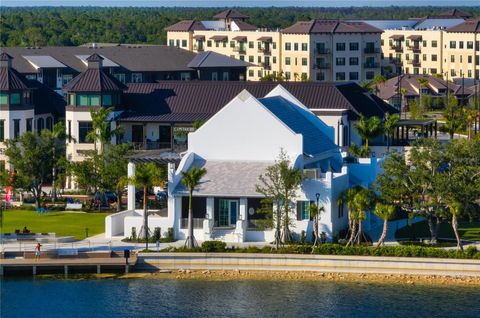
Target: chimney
5, 60
95, 61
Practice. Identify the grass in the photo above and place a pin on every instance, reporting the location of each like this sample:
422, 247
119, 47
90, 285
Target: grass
61, 223
467, 231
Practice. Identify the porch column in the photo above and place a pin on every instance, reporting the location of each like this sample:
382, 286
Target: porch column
209, 220
131, 187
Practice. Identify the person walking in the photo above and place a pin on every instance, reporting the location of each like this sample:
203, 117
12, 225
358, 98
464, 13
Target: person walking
37, 251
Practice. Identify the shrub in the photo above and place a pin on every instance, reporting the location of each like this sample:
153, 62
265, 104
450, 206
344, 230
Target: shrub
156, 234
170, 235
213, 246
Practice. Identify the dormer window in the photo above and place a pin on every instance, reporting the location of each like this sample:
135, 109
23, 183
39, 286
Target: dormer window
88, 100
3, 99
106, 100
15, 99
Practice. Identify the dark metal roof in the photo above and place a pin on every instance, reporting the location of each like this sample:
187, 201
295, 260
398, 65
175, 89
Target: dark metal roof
230, 14
265, 39
174, 101
331, 26
186, 25
469, 26
135, 58
94, 80
213, 59
415, 37
10, 79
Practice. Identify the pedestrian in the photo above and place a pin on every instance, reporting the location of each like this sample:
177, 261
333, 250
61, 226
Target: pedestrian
37, 251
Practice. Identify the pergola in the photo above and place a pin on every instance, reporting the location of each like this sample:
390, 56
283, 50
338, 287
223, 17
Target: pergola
425, 128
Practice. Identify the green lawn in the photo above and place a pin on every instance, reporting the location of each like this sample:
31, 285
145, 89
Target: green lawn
467, 231
61, 223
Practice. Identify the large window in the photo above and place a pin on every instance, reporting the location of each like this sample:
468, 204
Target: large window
40, 124
453, 44
2, 130
287, 61
304, 61
340, 76
137, 77
49, 124
29, 124
354, 61
303, 210
353, 76
340, 61
84, 127
120, 77
340, 46
3, 99
288, 46
16, 128
304, 46
353, 46
15, 99
106, 100
88, 100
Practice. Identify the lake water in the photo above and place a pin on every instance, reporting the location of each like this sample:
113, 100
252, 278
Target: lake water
179, 298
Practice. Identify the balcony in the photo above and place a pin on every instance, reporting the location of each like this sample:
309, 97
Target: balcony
371, 50
322, 66
240, 50
323, 51
415, 63
266, 66
151, 145
371, 65
198, 48
264, 50
396, 47
415, 49
395, 61
314, 174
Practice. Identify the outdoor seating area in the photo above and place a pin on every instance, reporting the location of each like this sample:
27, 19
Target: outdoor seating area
408, 130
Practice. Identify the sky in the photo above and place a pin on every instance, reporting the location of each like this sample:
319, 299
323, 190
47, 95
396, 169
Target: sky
240, 3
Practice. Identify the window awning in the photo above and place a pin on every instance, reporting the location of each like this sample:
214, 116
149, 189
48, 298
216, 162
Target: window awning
397, 37
240, 38
415, 37
199, 37
265, 39
219, 38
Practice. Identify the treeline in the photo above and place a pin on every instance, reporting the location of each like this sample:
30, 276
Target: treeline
44, 26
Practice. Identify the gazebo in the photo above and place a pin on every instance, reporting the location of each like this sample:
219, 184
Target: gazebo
411, 129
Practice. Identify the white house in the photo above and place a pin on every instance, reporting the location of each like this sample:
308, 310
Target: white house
236, 146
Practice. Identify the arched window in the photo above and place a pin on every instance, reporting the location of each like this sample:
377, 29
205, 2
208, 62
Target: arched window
40, 124
49, 123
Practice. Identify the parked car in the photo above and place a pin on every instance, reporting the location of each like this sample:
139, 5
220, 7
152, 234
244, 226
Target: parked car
111, 197
162, 195
139, 195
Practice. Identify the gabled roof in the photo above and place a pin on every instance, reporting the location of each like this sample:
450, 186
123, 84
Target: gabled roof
213, 59
180, 101
94, 80
244, 26
230, 14
10, 79
469, 26
314, 140
330, 26
186, 25
455, 13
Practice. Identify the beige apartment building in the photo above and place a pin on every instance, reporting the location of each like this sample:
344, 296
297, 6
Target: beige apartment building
314, 50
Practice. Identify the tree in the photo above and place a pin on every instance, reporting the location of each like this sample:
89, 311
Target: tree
364, 200
315, 212
147, 176
114, 168
101, 132
454, 117
31, 157
386, 212
59, 135
377, 81
191, 179
389, 126
455, 210
368, 128
423, 84
279, 184
367, 85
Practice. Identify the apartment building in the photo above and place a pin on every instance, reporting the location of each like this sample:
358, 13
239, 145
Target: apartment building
317, 50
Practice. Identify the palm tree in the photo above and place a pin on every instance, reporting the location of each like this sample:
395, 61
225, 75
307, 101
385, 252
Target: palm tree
147, 176
101, 132
368, 128
191, 179
455, 210
386, 212
367, 85
389, 125
348, 197
58, 135
377, 81
315, 212
403, 93
363, 201
423, 84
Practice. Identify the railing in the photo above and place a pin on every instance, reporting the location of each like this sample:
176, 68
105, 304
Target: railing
322, 51
396, 61
266, 66
371, 65
397, 48
239, 49
414, 48
264, 50
314, 174
257, 225
151, 145
322, 66
414, 62
371, 50
199, 48
197, 223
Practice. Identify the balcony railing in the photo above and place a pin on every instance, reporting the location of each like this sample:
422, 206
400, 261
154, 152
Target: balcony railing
371, 50
396, 47
151, 145
266, 66
314, 174
414, 62
198, 48
396, 61
415, 49
322, 66
264, 50
322, 51
197, 223
239, 49
257, 225
371, 65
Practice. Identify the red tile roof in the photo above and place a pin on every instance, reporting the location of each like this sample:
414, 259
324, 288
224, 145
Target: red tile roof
330, 26
469, 26
186, 25
230, 14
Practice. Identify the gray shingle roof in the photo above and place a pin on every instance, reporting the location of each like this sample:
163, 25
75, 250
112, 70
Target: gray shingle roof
233, 178
213, 59
301, 122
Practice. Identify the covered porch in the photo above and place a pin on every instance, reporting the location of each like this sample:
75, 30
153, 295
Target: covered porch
408, 130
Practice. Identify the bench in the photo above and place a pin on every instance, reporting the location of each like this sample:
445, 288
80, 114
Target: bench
73, 206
